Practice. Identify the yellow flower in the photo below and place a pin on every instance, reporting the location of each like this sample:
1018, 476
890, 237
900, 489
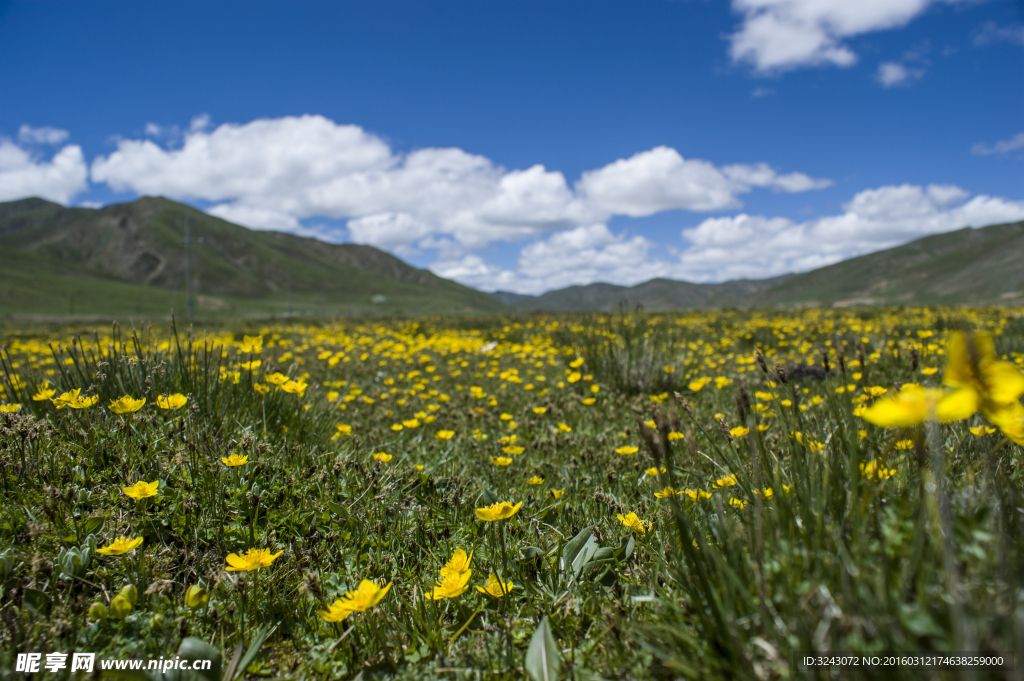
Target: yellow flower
722, 381
513, 451
627, 450
928, 371
576, 363
451, 585
294, 387
276, 378
589, 401
698, 384
419, 466
815, 446
358, 600
556, 494
564, 428
904, 444
496, 587
697, 494
120, 546
654, 471
910, 407
120, 607
73, 400
344, 429
535, 480
727, 481
253, 559
411, 423
673, 436
175, 401
9, 408
382, 457
875, 470
739, 431
539, 410
506, 417
634, 523
501, 510
982, 430
458, 563
738, 503
249, 366
142, 489
251, 344
196, 596
235, 460
574, 377
651, 424
126, 405
396, 427
501, 460
666, 493
261, 388
444, 434
44, 394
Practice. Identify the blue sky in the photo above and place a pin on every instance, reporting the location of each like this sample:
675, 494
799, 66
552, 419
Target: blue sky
528, 145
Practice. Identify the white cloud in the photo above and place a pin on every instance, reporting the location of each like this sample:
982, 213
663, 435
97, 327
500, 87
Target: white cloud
579, 256
274, 173
1001, 147
992, 32
44, 135
891, 74
23, 176
779, 35
757, 246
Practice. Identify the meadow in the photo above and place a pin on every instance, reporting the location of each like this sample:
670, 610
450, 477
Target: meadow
705, 495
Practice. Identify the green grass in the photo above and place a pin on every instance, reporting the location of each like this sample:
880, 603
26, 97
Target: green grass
730, 586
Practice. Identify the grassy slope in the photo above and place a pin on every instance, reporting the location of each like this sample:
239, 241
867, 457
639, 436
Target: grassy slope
129, 259
966, 266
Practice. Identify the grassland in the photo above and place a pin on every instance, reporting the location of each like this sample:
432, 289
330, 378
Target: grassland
770, 517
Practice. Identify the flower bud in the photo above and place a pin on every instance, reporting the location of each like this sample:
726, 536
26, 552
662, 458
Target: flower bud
131, 593
196, 597
120, 607
97, 611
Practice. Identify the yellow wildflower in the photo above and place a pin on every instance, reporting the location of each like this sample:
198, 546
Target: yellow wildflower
451, 585
633, 522
697, 494
382, 457
459, 562
44, 394
251, 344
727, 481
564, 428
120, 546
982, 430
253, 559
276, 378
501, 510
501, 460
535, 480
739, 431
196, 596
9, 408
235, 460
666, 492
556, 494
627, 450
358, 600
344, 428
875, 470
175, 401
444, 434
496, 587
142, 489
654, 471
540, 410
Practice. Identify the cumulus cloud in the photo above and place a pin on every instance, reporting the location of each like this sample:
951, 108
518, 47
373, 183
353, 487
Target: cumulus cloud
756, 246
1000, 147
275, 173
579, 256
779, 35
23, 175
44, 135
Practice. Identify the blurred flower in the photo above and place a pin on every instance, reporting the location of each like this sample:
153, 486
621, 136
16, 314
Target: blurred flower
501, 460
444, 434
535, 480
574, 377
875, 470
727, 481
513, 450
654, 471
9, 408
382, 457
251, 344
982, 430
261, 388
196, 596
556, 493
501, 510
253, 559
697, 494
739, 431
98, 611
344, 429
496, 587
120, 546
627, 450
276, 378
44, 394
358, 600
294, 387
120, 607
737, 503
540, 410
633, 522
564, 428
666, 492
175, 401
142, 489
699, 383
250, 366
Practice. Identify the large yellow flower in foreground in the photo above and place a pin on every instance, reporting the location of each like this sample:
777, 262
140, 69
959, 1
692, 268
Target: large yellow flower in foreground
253, 559
142, 489
972, 365
499, 511
358, 600
175, 401
910, 406
127, 404
119, 546
450, 585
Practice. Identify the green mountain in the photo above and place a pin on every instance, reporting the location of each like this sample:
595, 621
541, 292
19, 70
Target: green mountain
130, 259
969, 266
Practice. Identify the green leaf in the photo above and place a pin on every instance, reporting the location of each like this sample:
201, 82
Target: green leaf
543, 661
93, 525
36, 602
487, 497
574, 545
196, 649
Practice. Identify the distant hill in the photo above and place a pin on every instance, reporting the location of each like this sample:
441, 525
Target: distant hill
129, 259
968, 266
